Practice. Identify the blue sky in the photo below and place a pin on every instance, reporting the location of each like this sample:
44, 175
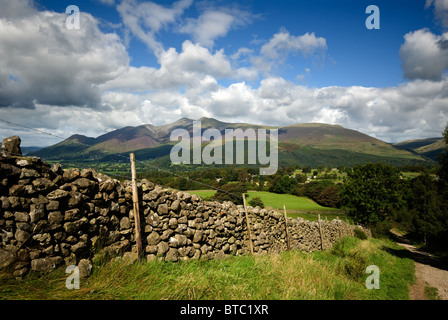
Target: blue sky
355, 55
261, 61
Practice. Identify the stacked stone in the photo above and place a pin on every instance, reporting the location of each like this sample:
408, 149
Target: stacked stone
180, 226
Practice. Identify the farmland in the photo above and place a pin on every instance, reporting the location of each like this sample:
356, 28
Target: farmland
295, 206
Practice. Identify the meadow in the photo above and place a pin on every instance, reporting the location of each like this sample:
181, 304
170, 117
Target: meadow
334, 274
295, 206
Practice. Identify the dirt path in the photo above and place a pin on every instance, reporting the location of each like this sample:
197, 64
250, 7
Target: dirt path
429, 271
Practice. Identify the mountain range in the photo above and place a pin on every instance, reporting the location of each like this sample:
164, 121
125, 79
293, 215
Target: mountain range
310, 144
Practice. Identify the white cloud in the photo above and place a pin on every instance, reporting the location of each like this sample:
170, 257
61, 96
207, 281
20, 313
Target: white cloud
188, 68
145, 19
215, 23
283, 43
41, 61
330, 116
16, 9
440, 10
107, 2
424, 55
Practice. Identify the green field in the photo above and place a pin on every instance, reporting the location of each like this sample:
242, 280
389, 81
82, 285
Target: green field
295, 206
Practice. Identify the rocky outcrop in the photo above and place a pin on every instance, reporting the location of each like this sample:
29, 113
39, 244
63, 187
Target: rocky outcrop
51, 217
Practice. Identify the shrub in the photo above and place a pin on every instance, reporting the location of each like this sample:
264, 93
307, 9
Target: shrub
256, 202
231, 192
360, 234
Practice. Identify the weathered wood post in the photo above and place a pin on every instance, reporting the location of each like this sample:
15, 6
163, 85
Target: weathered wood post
286, 227
138, 238
248, 225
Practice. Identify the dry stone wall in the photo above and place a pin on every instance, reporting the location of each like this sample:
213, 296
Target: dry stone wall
51, 217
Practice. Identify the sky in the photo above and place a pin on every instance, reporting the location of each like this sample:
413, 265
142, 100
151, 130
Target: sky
123, 63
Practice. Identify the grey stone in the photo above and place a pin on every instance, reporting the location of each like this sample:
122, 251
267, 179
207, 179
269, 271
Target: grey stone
42, 184
52, 205
17, 190
173, 223
162, 209
43, 265
172, 255
7, 257
71, 174
21, 216
85, 268
55, 217
162, 248
57, 194
153, 238
72, 214
37, 212
151, 249
125, 223
166, 234
83, 183
198, 236
12, 145
175, 205
21, 235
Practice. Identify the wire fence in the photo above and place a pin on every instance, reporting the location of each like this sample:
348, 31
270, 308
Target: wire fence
141, 162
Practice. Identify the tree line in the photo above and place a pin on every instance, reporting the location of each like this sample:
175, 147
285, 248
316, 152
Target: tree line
376, 196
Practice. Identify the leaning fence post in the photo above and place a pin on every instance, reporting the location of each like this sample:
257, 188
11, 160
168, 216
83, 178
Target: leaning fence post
286, 226
248, 225
320, 231
138, 238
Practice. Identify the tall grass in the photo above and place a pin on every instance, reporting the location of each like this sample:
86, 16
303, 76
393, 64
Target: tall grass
335, 274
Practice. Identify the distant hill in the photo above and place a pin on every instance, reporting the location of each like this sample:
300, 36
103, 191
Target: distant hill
429, 147
305, 144
27, 150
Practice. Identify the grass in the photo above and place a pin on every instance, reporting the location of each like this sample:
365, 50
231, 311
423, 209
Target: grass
431, 293
334, 274
295, 206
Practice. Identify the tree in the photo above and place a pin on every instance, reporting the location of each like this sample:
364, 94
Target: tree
301, 178
371, 192
306, 169
285, 184
329, 197
243, 175
443, 161
424, 205
231, 192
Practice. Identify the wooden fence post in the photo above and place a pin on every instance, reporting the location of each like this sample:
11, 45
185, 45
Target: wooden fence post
138, 238
320, 231
248, 225
286, 227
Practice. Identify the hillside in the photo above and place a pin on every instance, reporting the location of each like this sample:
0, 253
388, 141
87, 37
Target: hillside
335, 137
429, 147
305, 144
